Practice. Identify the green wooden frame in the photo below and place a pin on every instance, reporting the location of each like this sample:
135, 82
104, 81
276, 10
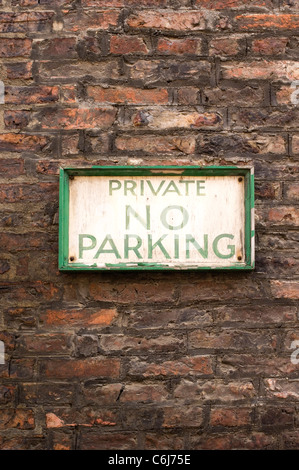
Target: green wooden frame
67, 173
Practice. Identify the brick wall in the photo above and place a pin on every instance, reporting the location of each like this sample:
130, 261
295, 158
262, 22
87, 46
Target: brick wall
171, 360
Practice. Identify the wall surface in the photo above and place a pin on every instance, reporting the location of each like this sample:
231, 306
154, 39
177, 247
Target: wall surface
148, 360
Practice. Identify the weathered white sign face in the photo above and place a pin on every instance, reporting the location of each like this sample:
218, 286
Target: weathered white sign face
164, 221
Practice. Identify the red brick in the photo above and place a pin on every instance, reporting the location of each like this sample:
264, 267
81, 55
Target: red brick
186, 416
233, 4
11, 167
16, 418
16, 119
283, 215
192, 365
292, 191
31, 94
295, 144
21, 70
224, 390
15, 47
94, 19
282, 21
108, 441
175, 119
230, 417
285, 289
57, 48
188, 95
43, 344
236, 339
120, 44
169, 70
59, 418
79, 318
269, 46
127, 95
282, 388
143, 393
191, 20
31, 21
80, 368
179, 46
263, 69
156, 144
226, 46
34, 193
8, 394
131, 344
78, 118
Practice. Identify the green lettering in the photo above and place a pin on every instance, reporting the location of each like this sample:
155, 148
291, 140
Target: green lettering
158, 243
186, 182
202, 251
114, 185
152, 189
135, 248
199, 187
146, 223
230, 247
132, 188
113, 248
174, 190
174, 227
86, 248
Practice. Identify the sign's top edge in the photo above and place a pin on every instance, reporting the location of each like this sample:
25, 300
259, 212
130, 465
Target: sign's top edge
159, 167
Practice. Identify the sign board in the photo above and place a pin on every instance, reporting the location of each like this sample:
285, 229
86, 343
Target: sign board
156, 218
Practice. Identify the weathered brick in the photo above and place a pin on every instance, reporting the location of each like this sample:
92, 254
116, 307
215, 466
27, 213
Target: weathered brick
79, 318
108, 441
31, 95
143, 393
77, 118
152, 71
57, 48
191, 20
223, 46
16, 418
261, 21
50, 394
19, 70
153, 144
231, 417
75, 21
269, 46
127, 95
15, 47
186, 416
120, 44
247, 143
285, 289
156, 118
131, 344
236, 96
219, 390
234, 4
261, 70
59, 418
43, 344
281, 388
236, 339
80, 368
179, 46
192, 365
24, 22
